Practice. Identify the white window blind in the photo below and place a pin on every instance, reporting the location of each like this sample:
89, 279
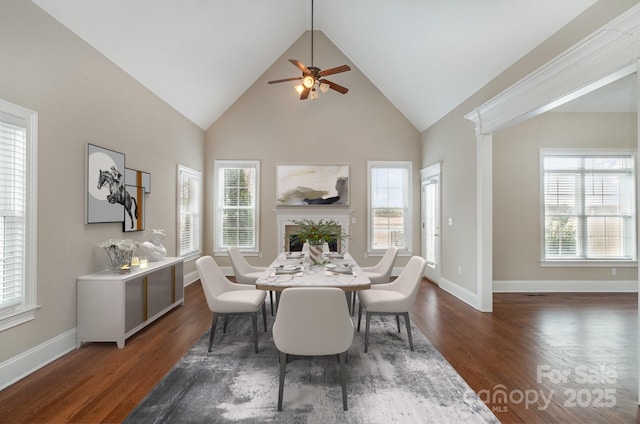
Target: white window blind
12, 213
389, 205
237, 205
18, 198
189, 211
589, 206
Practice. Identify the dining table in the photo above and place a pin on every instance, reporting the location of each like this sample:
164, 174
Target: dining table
295, 269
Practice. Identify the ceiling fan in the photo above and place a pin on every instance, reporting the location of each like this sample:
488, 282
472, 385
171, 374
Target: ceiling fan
313, 77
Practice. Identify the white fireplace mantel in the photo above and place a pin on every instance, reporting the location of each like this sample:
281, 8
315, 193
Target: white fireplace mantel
286, 216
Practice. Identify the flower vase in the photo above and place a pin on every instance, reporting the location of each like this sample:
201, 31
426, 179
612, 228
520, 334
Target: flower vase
315, 253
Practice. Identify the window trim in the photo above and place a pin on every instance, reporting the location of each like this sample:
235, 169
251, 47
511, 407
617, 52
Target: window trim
26, 310
194, 174
223, 163
577, 262
408, 165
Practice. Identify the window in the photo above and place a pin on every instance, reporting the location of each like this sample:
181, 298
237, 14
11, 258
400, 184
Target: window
189, 212
18, 142
236, 205
390, 206
589, 206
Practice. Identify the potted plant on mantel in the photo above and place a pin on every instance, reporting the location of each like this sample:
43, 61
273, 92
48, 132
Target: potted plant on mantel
317, 233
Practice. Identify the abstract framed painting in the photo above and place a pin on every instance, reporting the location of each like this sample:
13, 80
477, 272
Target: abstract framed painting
105, 178
133, 208
312, 185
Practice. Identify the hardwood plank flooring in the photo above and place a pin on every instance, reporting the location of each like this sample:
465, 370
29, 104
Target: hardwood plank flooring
524, 345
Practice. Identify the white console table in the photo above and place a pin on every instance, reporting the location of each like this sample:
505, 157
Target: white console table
111, 307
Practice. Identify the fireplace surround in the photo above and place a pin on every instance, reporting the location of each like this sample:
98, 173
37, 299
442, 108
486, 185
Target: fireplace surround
286, 226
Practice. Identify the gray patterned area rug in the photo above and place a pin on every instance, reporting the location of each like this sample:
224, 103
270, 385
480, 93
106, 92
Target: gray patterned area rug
390, 384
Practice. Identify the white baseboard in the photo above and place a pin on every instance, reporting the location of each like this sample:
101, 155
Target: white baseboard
191, 278
461, 293
35, 358
565, 286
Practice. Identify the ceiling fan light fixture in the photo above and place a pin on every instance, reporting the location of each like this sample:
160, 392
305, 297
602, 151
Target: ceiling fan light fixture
308, 81
299, 88
324, 87
314, 94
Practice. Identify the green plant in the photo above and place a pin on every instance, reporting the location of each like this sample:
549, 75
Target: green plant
318, 232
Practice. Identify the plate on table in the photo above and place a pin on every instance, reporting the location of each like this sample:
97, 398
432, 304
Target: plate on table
334, 255
340, 269
294, 255
287, 269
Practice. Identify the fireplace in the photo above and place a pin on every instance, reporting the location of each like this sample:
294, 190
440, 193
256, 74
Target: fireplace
293, 244
286, 226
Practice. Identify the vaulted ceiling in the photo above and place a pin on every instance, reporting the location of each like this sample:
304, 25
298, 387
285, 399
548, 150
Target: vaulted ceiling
425, 56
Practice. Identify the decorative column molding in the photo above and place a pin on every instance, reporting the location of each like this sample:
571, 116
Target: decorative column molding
605, 56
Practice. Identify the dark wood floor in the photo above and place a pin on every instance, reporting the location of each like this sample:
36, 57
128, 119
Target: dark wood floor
578, 350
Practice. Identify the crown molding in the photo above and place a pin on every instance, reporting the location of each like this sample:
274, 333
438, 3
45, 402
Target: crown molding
608, 54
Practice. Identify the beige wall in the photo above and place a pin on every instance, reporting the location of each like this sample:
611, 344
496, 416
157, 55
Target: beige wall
452, 141
516, 189
269, 123
81, 97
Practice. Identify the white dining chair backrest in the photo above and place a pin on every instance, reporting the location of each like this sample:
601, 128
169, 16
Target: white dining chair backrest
238, 262
408, 282
214, 282
313, 321
385, 265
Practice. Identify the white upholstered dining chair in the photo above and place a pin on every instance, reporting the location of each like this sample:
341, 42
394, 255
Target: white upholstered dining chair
313, 321
244, 272
395, 298
380, 273
225, 298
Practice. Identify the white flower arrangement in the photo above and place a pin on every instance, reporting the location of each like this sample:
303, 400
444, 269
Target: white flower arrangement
119, 253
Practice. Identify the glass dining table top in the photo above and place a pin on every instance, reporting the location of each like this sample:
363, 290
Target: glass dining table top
293, 269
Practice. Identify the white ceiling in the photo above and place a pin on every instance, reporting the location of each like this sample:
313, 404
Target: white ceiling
425, 56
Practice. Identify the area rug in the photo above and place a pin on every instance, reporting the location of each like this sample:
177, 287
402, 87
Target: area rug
390, 384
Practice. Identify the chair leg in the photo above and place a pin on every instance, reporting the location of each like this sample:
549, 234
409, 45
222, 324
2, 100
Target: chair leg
264, 316
406, 321
254, 320
283, 366
343, 378
359, 316
271, 301
213, 330
398, 322
353, 303
366, 332
226, 321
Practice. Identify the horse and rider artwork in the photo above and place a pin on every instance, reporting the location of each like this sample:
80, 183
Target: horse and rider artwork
114, 193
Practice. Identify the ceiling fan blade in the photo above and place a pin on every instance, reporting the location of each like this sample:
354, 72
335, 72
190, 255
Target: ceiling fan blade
336, 70
337, 87
286, 79
300, 66
305, 93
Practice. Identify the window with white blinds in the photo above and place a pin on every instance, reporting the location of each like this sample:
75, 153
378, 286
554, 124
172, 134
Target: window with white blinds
18, 128
237, 194
589, 206
390, 205
189, 212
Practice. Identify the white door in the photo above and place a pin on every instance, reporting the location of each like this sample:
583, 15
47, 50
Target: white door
430, 177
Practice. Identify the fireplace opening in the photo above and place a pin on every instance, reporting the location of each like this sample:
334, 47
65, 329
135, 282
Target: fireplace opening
294, 244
